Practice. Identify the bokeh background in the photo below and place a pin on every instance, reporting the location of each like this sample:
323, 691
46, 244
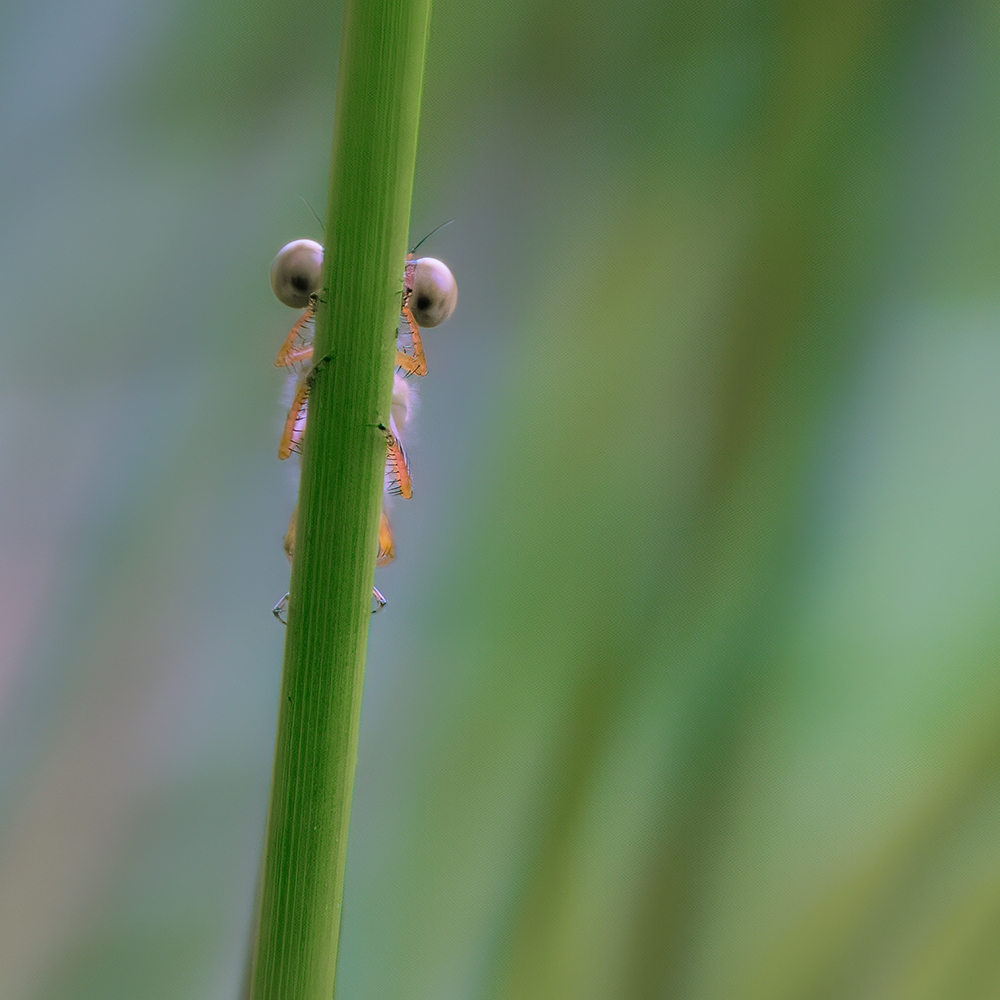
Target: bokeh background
688, 685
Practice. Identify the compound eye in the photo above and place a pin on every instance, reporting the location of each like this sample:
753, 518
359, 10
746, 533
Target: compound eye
434, 293
295, 272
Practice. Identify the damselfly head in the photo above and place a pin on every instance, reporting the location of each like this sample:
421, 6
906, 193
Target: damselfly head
434, 292
296, 272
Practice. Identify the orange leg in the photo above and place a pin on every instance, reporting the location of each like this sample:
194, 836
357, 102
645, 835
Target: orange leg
415, 363
295, 423
386, 546
298, 344
397, 470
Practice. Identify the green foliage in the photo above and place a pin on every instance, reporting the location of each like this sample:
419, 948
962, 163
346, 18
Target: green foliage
687, 685
374, 151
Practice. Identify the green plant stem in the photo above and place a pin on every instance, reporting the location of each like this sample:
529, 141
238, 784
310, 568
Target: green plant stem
383, 45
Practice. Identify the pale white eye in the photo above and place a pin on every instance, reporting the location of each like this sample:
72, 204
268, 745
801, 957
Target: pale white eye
434, 293
295, 272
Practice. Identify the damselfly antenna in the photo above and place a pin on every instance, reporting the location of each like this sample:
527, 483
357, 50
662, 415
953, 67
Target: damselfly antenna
430, 234
315, 214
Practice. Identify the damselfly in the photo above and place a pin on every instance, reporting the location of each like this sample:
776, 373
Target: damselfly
428, 298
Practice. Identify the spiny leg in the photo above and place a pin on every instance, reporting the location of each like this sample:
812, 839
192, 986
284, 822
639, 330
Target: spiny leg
298, 344
415, 363
295, 422
397, 469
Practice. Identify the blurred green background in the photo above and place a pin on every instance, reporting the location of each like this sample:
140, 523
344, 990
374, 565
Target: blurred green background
688, 685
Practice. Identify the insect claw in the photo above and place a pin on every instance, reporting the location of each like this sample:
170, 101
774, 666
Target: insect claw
282, 606
279, 610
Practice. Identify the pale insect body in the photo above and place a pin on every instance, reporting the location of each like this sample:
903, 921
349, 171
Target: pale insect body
429, 297
403, 402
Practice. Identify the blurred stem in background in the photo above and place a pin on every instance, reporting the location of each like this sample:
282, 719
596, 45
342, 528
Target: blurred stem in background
676, 668
382, 54
689, 684
781, 353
